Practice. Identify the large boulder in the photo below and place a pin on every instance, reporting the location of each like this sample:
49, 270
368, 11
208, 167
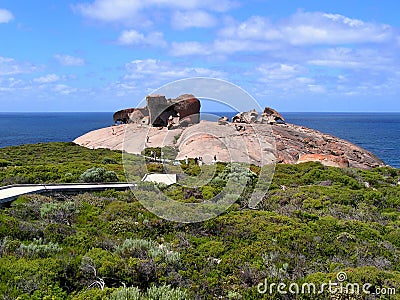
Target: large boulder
271, 116
130, 115
186, 107
223, 121
246, 117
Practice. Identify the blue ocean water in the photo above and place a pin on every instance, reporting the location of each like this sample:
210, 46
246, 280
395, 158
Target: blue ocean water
31, 128
376, 132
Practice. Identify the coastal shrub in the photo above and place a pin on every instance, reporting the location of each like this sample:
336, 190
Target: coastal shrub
4, 163
141, 248
207, 192
50, 162
166, 292
312, 224
154, 168
148, 151
98, 175
109, 160
130, 293
58, 212
163, 292
15, 180
37, 249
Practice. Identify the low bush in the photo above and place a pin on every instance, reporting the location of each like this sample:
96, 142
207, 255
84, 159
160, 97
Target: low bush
98, 175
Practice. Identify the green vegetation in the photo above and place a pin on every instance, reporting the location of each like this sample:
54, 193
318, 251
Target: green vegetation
98, 175
313, 222
55, 162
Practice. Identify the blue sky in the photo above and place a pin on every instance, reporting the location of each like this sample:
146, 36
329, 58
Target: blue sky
104, 55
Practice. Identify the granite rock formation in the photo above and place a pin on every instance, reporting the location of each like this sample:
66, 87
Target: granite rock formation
162, 112
325, 159
250, 137
283, 143
269, 116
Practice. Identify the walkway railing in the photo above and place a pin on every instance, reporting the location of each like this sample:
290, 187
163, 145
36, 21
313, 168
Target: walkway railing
11, 192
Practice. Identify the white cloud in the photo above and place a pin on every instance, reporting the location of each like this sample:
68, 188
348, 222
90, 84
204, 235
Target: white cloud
68, 60
282, 80
304, 29
122, 10
11, 84
64, 89
47, 78
138, 69
9, 66
347, 58
5, 16
196, 18
314, 88
143, 76
278, 71
310, 28
220, 46
135, 38
189, 48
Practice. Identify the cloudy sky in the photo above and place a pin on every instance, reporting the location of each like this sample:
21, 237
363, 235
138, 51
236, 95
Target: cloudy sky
104, 55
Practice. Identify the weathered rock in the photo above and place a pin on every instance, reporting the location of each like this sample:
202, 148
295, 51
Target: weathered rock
124, 115
326, 160
157, 104
159, 110
293, 141
253, 142
272, 115
269, 116
246, 117
188, 107
223, 121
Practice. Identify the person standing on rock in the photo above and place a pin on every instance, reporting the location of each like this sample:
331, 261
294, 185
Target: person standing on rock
214, 159
186, 159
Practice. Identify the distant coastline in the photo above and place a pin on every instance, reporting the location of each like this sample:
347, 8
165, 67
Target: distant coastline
376, 132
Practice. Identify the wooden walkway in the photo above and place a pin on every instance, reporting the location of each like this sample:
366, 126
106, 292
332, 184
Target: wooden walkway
11, 192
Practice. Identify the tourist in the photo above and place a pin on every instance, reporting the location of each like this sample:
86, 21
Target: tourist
186, 160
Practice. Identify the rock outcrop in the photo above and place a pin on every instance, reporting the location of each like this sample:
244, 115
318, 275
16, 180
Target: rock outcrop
283, 143
293, 142
162, 112
326, 160
269, 116
246, 117
248, 138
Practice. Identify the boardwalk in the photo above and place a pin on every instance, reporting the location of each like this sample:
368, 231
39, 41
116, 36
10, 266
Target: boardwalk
9, 193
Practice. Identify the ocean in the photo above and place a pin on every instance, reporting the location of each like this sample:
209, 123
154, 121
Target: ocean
376, 132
